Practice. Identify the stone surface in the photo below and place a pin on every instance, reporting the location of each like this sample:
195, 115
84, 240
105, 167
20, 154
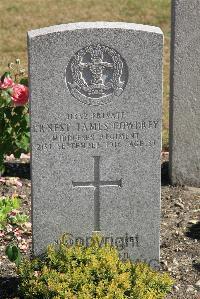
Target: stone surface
185, 93
96, 97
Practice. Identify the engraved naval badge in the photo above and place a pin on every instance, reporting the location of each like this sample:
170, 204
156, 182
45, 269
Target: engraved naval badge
96, 75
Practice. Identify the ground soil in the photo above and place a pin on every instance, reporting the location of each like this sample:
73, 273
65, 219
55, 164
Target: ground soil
180, 232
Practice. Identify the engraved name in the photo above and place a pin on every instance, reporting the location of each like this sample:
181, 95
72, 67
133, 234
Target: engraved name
96, 130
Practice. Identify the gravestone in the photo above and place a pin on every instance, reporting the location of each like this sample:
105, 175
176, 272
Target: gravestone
96, 96
185, 93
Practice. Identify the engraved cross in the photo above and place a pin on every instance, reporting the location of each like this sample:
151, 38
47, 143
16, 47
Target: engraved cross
96, 184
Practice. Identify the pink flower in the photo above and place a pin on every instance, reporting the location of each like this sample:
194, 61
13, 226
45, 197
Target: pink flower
2, 234
20, 94
7, 82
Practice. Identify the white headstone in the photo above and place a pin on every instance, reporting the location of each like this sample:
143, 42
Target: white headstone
96, 97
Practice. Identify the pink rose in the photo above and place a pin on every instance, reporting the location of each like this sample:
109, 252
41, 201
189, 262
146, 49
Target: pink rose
7, 82
19, 95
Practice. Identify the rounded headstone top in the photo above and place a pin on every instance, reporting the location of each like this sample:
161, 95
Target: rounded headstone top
94, 25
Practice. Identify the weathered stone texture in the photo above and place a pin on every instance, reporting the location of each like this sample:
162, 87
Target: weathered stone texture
96, 97
185, 93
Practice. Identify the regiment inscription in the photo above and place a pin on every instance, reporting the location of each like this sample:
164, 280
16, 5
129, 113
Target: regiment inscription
99, 134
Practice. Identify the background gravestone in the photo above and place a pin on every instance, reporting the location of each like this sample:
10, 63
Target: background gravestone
96, 97
185, 93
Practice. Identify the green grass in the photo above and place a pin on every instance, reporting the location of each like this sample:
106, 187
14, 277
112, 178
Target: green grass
19, 16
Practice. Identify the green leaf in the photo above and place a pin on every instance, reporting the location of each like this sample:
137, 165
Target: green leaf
14, 129
4, 94
16, 202
9, 91
2, 102
13, 254
3, 217
18, 260
2, 167
23, 143
27, 118
1, 226
24, 81
6, 98
5, 75
8, 112
12, 220
18, 219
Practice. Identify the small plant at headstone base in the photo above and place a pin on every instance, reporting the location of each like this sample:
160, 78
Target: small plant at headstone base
14, 117
11, 217
9, 212
95, 271
13, 253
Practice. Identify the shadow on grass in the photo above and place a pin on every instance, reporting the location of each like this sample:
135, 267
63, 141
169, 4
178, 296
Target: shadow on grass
22, 170
165, 174
196, 266
17, 169
9, 287
193, 231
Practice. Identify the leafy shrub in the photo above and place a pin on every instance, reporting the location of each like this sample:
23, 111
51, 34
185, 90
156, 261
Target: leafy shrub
9, 213
78, 272
14, 117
